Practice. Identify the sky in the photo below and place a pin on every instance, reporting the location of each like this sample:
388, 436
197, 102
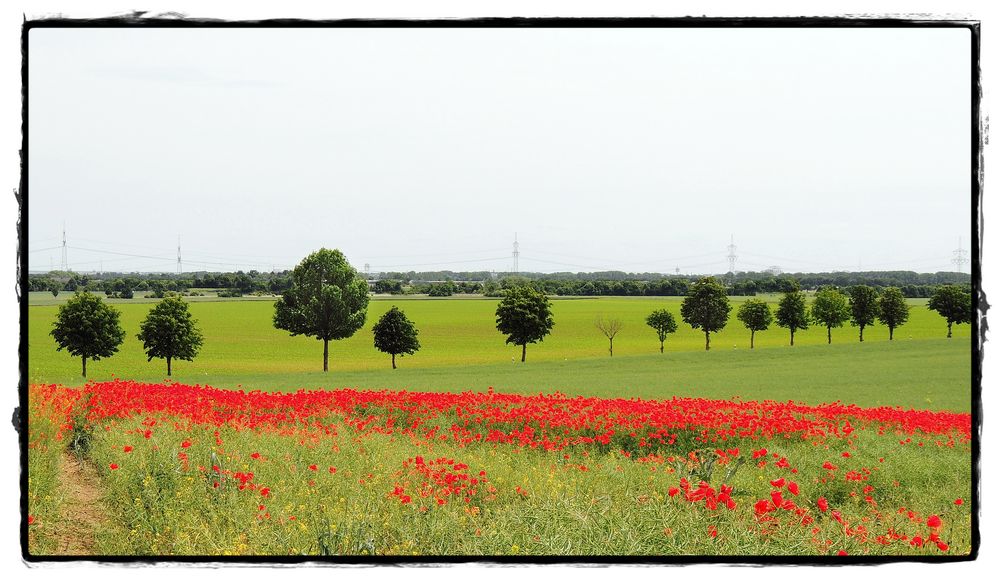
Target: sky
643, 150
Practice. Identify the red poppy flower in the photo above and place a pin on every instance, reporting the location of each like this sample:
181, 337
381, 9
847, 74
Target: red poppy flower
113, 466
778, 482
942, 545
265, 492
186, 444
31, 520
333, 470
793, 487
255, 455
776, 498
312, 467
959, 502
672, 491
934, 522
841, 553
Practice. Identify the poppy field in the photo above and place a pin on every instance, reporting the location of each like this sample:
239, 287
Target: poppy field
195, 470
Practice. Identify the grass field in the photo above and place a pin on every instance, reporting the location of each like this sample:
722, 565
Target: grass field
461, 349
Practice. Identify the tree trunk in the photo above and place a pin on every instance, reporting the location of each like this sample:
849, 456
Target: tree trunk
168, 365
524, 350
706, 340
326, 355
949, 335
751, 338
661, 346
393, 361
861, 334
828, 341
890, 333
791, 342
611, 347
85, 358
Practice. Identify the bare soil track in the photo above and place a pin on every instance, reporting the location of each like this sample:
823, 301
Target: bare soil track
81, 514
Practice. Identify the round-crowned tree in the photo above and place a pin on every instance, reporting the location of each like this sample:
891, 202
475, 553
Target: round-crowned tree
792, 313
87, 327
170, 332
756, 316
953, 303
706, 307
663, 322
525, 316
830, 309
864, 308
328, 300
395, 334
892, 309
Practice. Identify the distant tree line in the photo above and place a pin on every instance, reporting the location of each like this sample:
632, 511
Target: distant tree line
447, 283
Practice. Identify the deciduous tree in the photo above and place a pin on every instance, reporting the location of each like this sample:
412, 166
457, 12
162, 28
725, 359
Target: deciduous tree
953, 303
170, 332
663, 322
830, 309
864, 308
328, 300
892, 309
395, 334
756, 316
87, 327
792, 313
525, 316
706, 307
610, 329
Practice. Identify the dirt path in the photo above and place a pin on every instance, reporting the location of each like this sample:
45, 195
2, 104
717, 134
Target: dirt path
81, 513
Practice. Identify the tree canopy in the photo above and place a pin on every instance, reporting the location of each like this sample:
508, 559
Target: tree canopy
87, 327
525, 316
663, 322
792, 313
756, 316
892, 309
395, 334
327, 300
864, 308
953, 304
170, 332
830, 309
706, 307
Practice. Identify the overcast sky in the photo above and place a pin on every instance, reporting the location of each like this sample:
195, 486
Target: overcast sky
426, 149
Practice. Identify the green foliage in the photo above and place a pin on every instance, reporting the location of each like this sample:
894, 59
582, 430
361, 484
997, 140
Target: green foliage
953, 304
864, 308
830, 309
663, 322
170, 332
524, 315
395, 334
892, 309
328, 300
706, 307
756, 316
792, 313
439, 290
87, 327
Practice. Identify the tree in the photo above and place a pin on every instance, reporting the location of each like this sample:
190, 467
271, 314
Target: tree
706, 307
328, 300
610, 329
87, 327
953, 303
864, 308
792, 313
395, 334
54, 288
525, 316
663, 322
755, 315
892, 309
170, 332
830, 309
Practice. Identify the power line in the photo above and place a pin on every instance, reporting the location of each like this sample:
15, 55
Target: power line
516, 252
959, 260
732, 255
65, 259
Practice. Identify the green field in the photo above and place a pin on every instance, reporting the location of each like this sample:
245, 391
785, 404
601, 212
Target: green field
461, 349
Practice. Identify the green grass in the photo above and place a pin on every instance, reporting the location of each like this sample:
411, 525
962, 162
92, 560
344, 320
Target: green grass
461, 349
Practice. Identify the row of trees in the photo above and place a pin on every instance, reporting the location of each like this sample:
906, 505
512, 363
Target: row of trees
87, 327
328, 300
